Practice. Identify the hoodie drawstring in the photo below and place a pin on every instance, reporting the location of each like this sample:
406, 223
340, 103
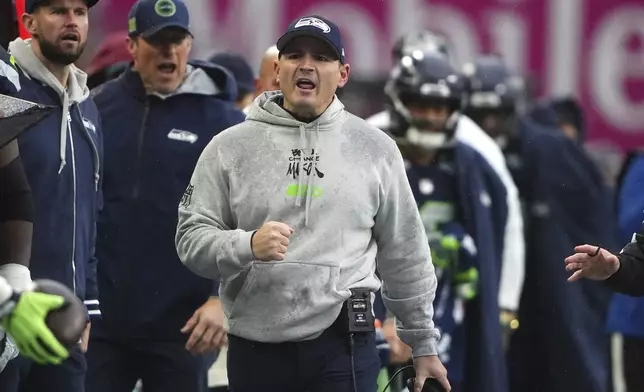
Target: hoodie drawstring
312, 174
64, 124
298, 199
311, 180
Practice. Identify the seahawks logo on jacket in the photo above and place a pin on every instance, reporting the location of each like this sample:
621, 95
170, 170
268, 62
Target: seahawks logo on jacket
89, 125
182, 136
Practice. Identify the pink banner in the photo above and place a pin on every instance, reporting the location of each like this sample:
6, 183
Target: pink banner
592, 49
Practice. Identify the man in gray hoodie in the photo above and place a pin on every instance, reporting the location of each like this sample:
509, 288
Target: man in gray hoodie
291, 209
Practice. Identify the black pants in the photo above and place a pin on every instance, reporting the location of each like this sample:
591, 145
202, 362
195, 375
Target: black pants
318, 365
23, 375
115, 366
634, 364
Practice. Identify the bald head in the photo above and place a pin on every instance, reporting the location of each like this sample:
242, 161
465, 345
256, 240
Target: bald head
267, 79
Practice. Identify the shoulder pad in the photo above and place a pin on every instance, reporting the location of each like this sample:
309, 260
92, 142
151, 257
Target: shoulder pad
9, 76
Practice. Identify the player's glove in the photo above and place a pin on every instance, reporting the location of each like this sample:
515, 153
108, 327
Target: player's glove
23, 318
453, 250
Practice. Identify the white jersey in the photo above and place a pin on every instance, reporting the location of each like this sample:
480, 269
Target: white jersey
513, 271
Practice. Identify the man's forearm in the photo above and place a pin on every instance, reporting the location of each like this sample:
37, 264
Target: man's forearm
15, 237
16, 213
14, 258
629, 278
16, 217
414, 322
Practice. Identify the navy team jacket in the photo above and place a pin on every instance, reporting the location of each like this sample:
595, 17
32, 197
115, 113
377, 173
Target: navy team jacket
561, 324
152, 144
66, 203
484, 209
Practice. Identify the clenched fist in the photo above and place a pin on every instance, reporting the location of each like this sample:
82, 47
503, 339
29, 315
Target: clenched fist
270, 242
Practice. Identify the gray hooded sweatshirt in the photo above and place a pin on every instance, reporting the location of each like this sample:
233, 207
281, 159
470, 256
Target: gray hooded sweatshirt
341, 185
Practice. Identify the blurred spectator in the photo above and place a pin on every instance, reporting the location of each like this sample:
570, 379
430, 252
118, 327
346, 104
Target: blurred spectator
570, 118
111, 59
565, 115
243, 74
267, 79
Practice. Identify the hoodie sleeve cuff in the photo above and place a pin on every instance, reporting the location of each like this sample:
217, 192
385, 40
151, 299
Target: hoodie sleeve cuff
93, 309
244, 248
422, 343
215, 289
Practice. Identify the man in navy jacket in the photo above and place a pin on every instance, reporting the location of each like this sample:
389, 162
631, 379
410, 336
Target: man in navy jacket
158, 318
62, 158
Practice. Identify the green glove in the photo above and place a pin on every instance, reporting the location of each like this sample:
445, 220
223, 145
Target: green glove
27, 329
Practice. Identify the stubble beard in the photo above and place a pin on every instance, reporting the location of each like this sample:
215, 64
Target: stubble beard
56, 55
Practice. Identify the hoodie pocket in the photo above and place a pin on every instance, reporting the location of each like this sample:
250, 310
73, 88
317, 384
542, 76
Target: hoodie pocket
281, 301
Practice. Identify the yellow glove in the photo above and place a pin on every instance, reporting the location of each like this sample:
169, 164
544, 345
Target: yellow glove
25, 324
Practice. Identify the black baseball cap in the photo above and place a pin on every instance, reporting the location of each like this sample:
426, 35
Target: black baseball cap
148, 17
31, 5
239, 67
314, 26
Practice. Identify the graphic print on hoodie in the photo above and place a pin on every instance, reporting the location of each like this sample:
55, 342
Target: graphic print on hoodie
341, 185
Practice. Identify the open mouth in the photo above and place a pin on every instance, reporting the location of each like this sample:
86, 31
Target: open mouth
305, 84
167, 68
70, 37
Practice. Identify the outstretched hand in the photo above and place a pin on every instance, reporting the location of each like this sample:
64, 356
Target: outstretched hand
591, 262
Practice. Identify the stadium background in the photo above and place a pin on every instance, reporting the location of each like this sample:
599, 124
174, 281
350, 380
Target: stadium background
591, 49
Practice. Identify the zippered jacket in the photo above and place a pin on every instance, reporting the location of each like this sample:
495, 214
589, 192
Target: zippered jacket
62, 158
152, 144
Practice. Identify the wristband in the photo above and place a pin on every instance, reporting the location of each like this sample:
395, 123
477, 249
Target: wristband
9, 305
251, 244
17, 275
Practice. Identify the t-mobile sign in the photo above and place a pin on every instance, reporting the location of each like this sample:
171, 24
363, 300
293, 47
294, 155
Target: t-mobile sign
592, 49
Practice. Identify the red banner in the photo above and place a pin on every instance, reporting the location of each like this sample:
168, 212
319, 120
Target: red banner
591, 49
20, 9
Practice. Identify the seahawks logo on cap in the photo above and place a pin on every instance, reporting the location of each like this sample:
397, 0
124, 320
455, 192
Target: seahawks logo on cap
315, 22
165, 8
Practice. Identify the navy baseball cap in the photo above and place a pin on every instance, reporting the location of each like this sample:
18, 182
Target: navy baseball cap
314, 26
31, 5
239, 67
148, 17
